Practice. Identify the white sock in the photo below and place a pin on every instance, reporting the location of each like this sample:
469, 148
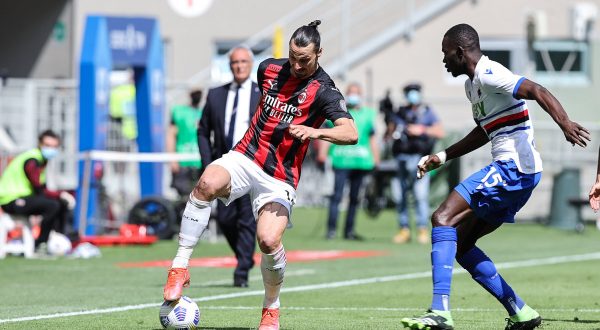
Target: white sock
193, 223
272, 267
182, 257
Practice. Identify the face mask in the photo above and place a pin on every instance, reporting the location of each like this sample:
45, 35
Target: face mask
49, 152
353, 100
413, 97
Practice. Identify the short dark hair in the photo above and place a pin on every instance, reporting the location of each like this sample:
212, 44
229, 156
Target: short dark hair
48, 133
307, 34
412, 86
464, 35
196, 96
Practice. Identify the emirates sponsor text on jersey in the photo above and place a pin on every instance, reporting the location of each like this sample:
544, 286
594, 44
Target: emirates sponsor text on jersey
280, 110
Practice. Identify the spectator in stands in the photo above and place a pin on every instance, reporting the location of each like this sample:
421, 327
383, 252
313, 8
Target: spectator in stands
386, 106
226, 118
122, 128
351, 162
23, 189
414, 129
181, 138
122, 111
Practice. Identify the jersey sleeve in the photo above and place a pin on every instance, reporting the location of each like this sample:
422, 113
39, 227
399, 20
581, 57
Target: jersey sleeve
332, 104
498, 79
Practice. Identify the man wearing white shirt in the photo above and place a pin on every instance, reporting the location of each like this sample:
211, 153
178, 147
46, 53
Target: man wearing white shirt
224, 121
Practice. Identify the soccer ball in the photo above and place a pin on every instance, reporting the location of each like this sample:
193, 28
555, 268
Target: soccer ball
58, 244
179, 314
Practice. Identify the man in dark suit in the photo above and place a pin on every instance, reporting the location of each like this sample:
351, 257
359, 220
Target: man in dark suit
225, 119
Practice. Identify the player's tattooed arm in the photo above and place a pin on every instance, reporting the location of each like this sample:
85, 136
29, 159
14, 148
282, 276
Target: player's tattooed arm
343, 132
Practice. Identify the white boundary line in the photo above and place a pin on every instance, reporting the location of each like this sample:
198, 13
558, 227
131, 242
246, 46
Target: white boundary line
505, 265
395, 309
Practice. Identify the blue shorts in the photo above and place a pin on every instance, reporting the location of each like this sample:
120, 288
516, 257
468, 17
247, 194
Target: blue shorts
497, 192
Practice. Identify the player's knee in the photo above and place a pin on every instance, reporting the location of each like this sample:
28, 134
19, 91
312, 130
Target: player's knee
440, 218
206, 189
268, 243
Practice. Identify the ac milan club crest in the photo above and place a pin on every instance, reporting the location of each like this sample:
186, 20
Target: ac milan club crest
302, 97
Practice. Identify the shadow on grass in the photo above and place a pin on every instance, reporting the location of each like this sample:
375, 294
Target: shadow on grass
575, 320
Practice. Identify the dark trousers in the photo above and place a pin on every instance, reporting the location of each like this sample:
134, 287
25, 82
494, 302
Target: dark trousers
185, 180
54, 213
237, 223
341, 176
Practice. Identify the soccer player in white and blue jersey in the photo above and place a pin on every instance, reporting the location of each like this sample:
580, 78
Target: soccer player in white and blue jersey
492, 196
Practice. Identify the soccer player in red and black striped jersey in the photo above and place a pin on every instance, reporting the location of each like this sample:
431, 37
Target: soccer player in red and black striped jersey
297, 97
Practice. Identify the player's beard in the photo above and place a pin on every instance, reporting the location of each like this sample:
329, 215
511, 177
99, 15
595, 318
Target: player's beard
305, 73
299, 75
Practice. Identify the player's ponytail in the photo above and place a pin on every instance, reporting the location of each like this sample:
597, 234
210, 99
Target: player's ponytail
315, 23
307, 34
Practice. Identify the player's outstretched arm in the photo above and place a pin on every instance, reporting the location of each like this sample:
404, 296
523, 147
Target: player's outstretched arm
595, 191
343, 132
574, 133
472, 141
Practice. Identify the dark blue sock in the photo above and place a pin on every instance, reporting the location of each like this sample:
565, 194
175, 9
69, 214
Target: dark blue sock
443, 251
484, 271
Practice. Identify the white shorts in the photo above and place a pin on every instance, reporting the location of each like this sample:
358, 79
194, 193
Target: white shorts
247, 177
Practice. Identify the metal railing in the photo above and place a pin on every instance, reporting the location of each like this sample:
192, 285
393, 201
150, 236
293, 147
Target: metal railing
30, 106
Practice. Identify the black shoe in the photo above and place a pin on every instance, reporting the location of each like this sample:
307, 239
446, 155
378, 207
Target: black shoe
354, 237
330, 234
534, 320
525, 325
432, 320
240, 282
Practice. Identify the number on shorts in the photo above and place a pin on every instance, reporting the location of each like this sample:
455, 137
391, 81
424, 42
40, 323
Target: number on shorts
496, 179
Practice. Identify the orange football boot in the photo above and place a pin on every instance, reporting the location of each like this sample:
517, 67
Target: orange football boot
270, 319
178, 279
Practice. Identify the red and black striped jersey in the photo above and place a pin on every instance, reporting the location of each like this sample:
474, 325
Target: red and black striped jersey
287, 100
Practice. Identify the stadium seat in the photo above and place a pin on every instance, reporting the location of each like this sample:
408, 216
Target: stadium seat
22, 245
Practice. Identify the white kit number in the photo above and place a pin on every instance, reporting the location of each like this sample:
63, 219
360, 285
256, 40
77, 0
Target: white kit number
496, 179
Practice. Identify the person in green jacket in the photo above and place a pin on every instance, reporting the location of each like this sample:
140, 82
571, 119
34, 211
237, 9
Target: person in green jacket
181, 138
23, 188
351, 162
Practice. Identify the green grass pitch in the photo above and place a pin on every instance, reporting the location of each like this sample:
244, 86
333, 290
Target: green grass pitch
367, 293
